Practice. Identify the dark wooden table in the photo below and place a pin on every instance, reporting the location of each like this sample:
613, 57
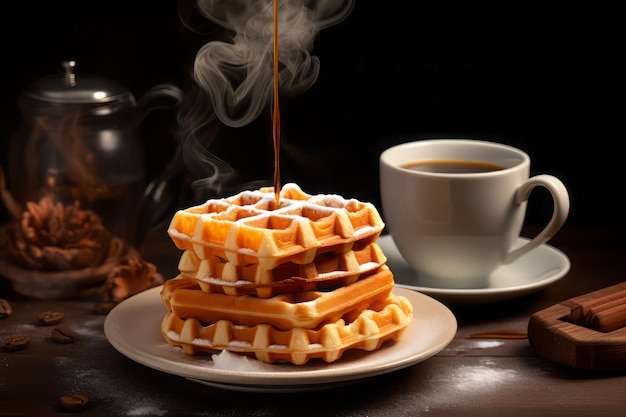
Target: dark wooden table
470, 377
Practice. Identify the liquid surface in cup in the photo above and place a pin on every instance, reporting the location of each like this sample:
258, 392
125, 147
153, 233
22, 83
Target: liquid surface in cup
451, 166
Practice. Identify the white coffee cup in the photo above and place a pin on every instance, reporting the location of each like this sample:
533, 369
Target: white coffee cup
456, 228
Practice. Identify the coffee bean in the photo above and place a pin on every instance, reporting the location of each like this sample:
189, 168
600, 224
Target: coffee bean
5, 309
48, 318
15, 343
73, 402
63, 334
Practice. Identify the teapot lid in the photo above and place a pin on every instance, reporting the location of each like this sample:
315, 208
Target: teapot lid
70, 89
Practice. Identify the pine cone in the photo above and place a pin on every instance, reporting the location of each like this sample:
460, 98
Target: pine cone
51, 236
132, 276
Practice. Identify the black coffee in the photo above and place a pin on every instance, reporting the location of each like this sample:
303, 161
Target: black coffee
452, 166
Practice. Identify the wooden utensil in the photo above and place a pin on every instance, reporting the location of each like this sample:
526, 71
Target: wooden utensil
585, 332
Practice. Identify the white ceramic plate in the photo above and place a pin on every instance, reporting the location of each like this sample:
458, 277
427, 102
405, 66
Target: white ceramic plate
529, 273
133, 328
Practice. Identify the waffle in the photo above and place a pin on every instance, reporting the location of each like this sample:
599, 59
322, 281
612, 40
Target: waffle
308, 309
327, 269
249, 228
289, 282
367, 331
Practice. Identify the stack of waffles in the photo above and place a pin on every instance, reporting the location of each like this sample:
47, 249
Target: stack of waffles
290, 282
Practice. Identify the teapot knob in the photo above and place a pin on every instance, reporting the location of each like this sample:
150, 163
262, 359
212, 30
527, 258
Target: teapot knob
70, 76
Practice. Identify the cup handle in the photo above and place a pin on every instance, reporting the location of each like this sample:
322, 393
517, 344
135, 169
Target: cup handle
560, 198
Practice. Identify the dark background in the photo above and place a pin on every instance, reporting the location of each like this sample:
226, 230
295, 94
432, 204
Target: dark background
551, 83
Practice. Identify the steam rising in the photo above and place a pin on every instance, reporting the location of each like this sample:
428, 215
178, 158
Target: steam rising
235, 79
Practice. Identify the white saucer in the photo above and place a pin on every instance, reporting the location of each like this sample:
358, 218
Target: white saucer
530, 273
133, 328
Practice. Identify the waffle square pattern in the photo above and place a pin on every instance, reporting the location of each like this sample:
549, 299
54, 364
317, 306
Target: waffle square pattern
248, 227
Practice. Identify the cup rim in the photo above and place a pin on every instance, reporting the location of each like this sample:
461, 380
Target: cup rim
524, 157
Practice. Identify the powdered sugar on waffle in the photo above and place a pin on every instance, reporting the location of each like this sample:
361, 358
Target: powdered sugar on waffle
249, 224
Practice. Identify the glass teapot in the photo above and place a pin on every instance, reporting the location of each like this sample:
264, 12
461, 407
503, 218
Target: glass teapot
78, 143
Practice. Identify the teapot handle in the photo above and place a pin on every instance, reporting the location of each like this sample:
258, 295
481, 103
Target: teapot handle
161, 96
163, 192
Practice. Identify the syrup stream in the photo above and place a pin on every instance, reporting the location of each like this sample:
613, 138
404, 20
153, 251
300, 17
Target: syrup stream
276, 112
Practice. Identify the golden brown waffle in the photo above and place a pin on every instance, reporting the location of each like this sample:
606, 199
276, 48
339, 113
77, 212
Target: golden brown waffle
327, 269
249, 228
367, 331
309, 309
293, 281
